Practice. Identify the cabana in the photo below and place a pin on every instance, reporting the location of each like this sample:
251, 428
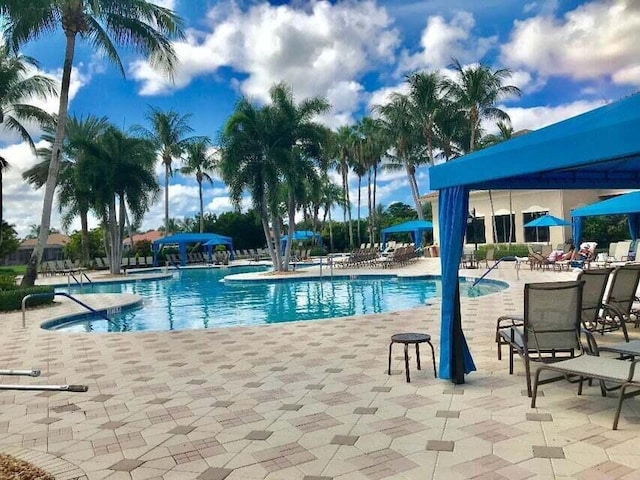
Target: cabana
184, 239
413, 227
627, 204
598, 149
300, 236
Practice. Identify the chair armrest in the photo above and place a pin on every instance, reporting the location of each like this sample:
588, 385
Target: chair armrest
632, 370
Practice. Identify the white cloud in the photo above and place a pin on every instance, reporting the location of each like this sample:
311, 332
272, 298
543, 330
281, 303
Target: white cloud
382, 96
443, 40
537, 117
318, 48
596, 40
170, 4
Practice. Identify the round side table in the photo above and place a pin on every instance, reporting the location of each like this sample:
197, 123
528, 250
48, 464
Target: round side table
412, 338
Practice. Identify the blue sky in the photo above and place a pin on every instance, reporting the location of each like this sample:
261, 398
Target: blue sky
568, 56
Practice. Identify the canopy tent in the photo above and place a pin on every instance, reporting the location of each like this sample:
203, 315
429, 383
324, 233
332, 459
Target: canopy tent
414, 227
546, 221
598, 149
627, 204
300, 236
184, 239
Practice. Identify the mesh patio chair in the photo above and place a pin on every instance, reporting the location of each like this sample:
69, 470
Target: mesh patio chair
623, 375
551, 325
617, 308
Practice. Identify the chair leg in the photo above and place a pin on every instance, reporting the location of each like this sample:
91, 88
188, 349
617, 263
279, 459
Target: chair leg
527, 372
418, 355
390, 345
617, 417
510, 360
534, 394
433, 359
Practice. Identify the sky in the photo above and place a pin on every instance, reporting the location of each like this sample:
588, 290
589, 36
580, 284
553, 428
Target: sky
567, 57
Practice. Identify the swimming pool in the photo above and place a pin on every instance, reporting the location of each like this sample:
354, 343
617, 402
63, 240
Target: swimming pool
196, 299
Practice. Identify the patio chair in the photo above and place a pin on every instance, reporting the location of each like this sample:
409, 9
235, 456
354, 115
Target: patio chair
551, 324
490, 257
594, 367
618, 306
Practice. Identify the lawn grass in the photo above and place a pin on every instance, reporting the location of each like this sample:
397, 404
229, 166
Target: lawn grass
13, 270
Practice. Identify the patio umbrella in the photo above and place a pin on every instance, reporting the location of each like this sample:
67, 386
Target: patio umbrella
546, 221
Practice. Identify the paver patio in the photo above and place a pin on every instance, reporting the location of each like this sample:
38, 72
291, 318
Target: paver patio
307, 400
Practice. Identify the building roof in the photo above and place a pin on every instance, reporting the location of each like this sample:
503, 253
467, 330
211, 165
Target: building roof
149, 236
54, 240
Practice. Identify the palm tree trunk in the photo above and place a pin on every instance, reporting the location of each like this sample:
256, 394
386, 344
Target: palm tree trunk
414, 188
348, 207
493, 218
267, 235
114, 259
369, 204
84, 237
29, 278
166, 198
201, 206
292, 229
373, 203
277, 240
359, 201
330, 230
130, 230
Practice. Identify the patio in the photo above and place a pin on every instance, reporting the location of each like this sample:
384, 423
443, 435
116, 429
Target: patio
303, 400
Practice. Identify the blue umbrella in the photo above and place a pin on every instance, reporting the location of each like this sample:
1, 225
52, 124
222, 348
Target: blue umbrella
548, 221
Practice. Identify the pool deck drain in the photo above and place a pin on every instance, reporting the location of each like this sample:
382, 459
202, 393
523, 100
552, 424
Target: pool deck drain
177, 405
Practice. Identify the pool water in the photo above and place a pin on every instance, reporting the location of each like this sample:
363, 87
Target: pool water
198, 298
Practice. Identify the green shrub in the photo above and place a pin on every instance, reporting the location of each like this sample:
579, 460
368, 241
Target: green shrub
503, 250
318, 251
12, 299
7, 281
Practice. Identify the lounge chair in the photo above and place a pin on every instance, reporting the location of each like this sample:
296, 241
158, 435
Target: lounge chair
617, 309
618, 372
489, 257
550, 326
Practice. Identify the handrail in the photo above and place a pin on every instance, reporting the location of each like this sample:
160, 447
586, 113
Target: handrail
62, 294
173, 264
495, 265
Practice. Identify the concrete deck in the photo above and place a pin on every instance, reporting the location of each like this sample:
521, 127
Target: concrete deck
305, 400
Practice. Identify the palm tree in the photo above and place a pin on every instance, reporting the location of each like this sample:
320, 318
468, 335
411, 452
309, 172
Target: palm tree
120, 170
399, 128
330, 195
477, 90
345, 140
201, 162
169, 132
16, 88
4, 166
424, 94
138, 24
74, 194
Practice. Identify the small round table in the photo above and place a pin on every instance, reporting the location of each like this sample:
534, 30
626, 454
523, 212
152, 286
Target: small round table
412, 338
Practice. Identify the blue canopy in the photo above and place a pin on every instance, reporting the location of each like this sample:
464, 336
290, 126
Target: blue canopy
627, 204
183, 239
547, 221
300, 236
414, 227
598, 149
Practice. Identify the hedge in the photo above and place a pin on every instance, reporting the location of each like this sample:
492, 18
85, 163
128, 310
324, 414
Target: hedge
503, 250
11, 299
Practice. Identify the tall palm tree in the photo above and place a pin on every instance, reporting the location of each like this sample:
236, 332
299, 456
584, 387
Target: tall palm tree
170, 133
18, 87
425, 96
138, 24
4, 166
201, 162
400, 129
120, 170
74, 194
477, 90
345, 140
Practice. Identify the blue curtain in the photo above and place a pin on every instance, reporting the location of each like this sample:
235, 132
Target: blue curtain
634, 225
455, 358
576, 230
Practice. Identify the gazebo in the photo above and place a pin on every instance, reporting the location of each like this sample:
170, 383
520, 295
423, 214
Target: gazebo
598, 149
184, 239
627, 204
300, 236
414, 227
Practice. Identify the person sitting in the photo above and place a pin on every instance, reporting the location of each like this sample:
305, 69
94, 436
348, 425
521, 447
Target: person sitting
569, 254
555, 256
584, 252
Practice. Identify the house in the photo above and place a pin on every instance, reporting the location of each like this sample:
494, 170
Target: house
149, 236
54, 250
522, 206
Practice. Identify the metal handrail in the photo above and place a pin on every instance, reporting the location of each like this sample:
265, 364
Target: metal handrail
495, 265
62, 294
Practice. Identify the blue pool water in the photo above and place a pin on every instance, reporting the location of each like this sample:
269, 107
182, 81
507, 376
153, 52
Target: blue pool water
196, 299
